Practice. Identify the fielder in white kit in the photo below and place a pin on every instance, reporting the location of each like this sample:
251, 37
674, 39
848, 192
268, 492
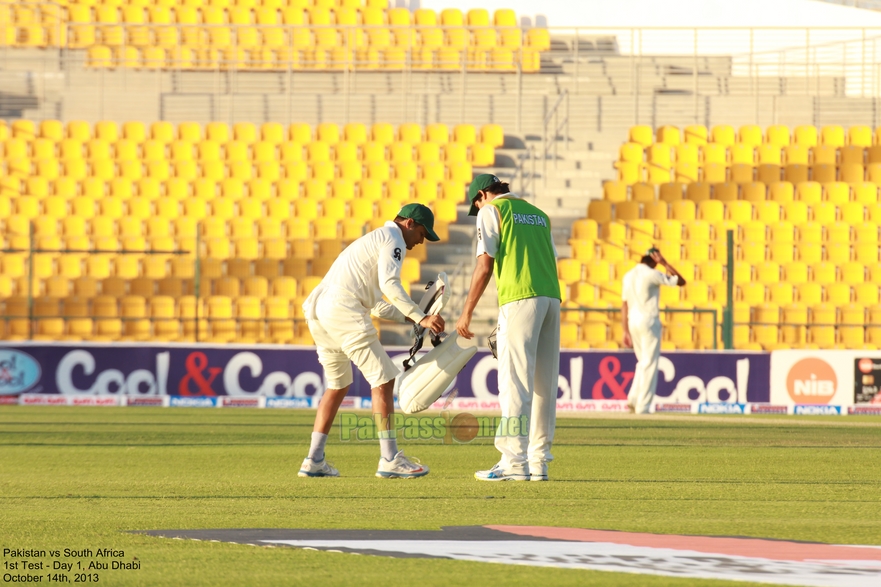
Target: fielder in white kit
514, 242
338, 315
640, 317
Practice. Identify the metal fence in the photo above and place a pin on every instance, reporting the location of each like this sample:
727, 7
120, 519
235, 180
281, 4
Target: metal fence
189, 311
599, 312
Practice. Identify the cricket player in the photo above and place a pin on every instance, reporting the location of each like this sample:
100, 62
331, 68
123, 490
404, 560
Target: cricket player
642, 326
338, 315
514, 243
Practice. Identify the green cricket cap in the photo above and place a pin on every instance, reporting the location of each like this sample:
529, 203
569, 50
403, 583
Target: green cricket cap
481, 182
651, 251
422, 215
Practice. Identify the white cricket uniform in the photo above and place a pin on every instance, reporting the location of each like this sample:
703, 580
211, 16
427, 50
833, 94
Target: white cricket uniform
528, 347
641, 291
338, 310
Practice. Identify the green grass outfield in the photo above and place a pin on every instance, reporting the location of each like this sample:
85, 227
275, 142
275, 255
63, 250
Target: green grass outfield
82, 477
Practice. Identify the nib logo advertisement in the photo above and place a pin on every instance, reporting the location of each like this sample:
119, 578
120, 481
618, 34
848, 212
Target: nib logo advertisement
777, 562
811, 381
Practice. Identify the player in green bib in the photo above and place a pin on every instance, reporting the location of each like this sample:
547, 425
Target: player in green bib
514, 243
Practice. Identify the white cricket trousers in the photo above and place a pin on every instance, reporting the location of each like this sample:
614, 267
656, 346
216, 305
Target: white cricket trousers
647, 346
529, 368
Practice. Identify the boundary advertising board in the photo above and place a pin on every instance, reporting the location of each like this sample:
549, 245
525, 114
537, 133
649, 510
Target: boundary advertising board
276, 371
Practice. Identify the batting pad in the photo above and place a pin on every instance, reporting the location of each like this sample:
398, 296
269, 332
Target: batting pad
422, 384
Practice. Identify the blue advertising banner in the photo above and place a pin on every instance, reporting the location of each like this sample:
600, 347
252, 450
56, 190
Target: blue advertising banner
145, 370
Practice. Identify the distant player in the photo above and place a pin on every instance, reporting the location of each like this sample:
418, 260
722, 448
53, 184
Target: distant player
514, 242
338, 315
640, 318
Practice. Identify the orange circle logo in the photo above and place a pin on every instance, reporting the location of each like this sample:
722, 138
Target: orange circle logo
465, 427
811, 381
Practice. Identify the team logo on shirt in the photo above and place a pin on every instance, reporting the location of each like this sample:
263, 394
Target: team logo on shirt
397, 254
531, 219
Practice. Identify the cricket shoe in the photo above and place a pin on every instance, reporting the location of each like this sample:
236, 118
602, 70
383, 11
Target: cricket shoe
400, 467
497, 473
538, 472
321, 468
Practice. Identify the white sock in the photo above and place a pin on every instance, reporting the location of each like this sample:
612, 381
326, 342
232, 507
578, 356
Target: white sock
388, 444
316, 450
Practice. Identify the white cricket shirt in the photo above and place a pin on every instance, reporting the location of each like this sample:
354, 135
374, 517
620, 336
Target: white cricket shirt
641, 290
367, 269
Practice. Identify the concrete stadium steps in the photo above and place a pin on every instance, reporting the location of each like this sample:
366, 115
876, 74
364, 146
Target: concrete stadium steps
665, 86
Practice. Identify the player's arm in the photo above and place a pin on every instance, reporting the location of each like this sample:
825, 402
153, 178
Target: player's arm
628, 342
488, 231
386, 311
659, 259
479, 280
391, 257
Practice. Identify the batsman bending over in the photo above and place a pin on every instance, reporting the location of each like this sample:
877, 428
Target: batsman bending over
338, 315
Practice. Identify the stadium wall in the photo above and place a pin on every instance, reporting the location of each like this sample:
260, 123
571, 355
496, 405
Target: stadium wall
289, 376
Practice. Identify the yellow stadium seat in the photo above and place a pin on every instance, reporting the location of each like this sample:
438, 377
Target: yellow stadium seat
670, 192
768, 173
795, 212
751, 294
698, 192
838, 294
769, 155
823, 213
714, 153
822, 154
627, 211
750, 134
809, 252
631, 152
642, 135
821, 330
739, 211
711, 211
859, 135
823, 272
781, 293
852, 154
669, 135
806, 135
723, 134
683, 210
851, 173
796, 173
754, 192
866, 294
809, 293
796, 272
777, 134
685, 172
600, 211
837, 233
687, 153
866, 252
832, 135
823, 173
781, 191
715, 173
655, 210
740, 173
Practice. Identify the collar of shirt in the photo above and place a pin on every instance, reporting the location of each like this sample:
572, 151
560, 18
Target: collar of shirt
395, 224
507, 195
